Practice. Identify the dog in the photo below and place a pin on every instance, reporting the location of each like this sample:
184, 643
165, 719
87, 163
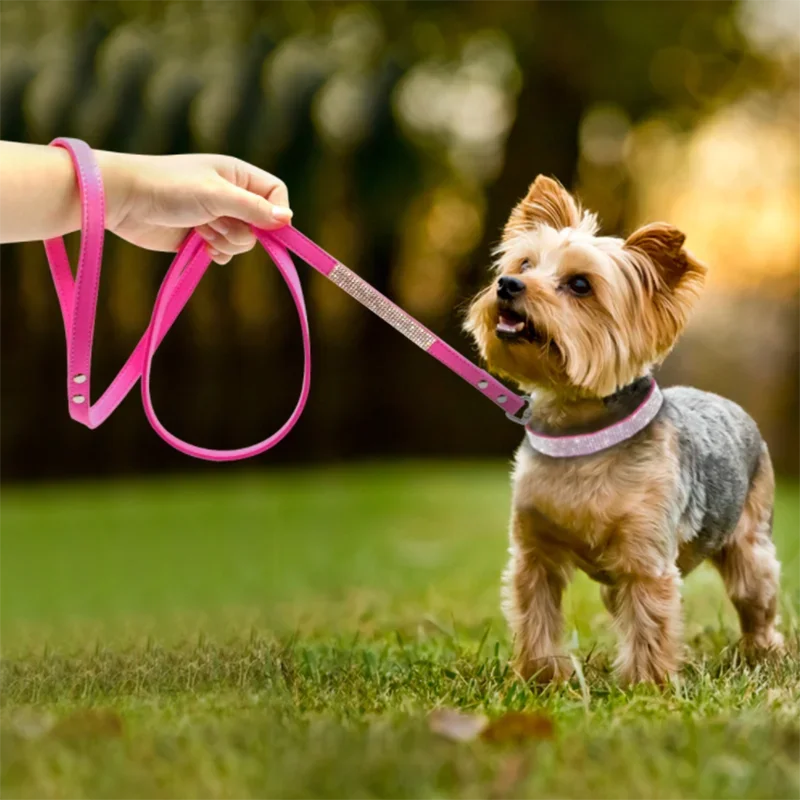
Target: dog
579, 320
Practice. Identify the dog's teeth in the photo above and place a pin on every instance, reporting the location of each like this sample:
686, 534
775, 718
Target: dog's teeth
508, 327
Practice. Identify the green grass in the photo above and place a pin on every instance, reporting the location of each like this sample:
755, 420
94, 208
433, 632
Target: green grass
287, 635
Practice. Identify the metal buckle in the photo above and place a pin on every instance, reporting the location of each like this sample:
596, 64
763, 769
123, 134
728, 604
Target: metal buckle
524, 414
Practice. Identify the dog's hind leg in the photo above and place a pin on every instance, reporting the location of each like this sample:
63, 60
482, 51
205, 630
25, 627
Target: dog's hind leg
749, 567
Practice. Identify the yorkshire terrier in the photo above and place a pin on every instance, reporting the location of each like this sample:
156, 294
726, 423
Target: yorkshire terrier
633, 487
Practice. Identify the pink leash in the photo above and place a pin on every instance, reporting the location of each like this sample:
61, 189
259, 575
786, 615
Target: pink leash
78, 301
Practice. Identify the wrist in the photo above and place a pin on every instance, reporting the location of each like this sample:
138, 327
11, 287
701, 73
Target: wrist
118, 179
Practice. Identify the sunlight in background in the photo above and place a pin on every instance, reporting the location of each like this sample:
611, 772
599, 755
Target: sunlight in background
732, 183
772, 26
732, 186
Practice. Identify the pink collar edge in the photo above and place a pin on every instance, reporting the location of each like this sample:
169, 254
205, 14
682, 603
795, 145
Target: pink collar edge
584, 444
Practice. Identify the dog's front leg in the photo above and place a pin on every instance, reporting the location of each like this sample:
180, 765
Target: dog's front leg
647, 614
532, 587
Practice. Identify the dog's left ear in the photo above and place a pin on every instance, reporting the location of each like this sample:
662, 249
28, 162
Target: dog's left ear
673, 278
663, 246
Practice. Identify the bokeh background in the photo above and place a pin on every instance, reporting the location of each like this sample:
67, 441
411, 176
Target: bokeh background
256, 630
405, 132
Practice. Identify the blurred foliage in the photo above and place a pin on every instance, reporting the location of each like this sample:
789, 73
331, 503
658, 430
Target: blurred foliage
405, 132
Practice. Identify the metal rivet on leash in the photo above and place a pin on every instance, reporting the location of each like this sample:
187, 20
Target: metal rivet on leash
78, 398
483, 384
501, 398
80, 378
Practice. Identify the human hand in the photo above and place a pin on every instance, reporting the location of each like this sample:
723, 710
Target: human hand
154, 201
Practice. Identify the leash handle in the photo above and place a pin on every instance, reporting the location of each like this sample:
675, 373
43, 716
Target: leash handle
78, 302
179, 283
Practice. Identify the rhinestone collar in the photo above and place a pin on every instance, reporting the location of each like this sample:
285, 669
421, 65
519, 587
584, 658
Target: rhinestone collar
586, 444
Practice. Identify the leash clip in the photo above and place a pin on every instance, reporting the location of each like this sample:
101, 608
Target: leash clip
523, 416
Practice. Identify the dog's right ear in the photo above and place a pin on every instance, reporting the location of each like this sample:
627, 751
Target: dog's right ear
547, 203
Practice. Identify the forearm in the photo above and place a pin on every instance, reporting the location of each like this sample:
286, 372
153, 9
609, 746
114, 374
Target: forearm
151, 201
39, 193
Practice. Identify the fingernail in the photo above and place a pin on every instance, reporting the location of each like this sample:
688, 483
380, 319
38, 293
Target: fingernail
208, 234
221, 226
282, 213
214, 253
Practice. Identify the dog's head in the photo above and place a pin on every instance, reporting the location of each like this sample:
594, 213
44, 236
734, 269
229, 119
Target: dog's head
576, 311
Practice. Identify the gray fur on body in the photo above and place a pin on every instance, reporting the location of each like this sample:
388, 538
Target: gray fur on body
720, 448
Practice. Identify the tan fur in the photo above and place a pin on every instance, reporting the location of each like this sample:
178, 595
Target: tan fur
643, 289
547, 202
533, 584
749, 567
572, 513
612, 515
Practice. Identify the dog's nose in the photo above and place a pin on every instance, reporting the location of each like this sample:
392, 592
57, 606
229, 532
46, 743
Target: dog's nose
508, 287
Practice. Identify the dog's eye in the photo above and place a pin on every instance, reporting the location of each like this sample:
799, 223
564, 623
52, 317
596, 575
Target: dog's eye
525, 265
579, 285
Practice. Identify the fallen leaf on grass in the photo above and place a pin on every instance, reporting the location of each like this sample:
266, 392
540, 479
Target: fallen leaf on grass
517, 726
29, 723
456, 725
89, 723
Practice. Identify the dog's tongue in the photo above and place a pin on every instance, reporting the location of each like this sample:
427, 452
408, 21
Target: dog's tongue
509, 324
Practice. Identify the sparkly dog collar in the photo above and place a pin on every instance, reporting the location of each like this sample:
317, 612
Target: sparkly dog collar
586, 444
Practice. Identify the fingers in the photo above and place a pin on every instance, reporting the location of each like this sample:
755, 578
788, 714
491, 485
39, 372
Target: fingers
235, 236
279, 196
255, 180
232, 201
226, 237
251, 195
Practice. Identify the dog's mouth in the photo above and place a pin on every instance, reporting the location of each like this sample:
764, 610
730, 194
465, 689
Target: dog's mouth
515, 327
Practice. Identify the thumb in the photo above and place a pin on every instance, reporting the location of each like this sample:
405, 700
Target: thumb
230, 200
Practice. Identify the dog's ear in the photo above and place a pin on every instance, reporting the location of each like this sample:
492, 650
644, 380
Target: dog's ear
672, 277
662, 244
547, 203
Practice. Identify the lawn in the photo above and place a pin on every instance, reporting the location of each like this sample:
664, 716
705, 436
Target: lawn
289, 634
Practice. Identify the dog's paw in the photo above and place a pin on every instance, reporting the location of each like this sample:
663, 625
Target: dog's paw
628, 678
765, 644
630, 673
545, 669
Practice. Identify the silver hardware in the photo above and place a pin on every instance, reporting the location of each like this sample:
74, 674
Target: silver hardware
78, 398
524, 414
483, 384
502, 398
79, 379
